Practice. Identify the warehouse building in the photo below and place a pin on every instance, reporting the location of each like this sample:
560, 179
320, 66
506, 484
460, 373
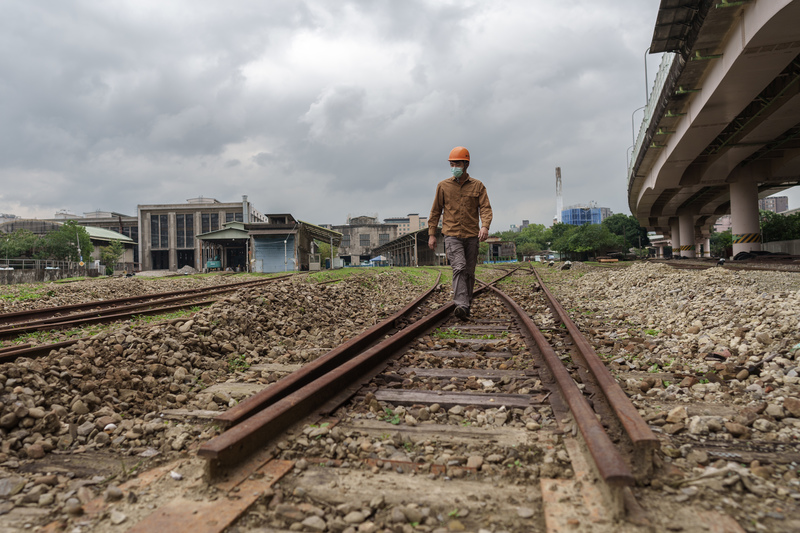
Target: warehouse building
280, 244
99, 237
167, 231
408, 224
361, 236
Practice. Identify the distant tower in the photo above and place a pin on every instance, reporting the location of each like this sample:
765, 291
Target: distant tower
559, 198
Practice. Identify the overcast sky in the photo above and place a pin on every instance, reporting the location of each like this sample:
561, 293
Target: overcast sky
320, 108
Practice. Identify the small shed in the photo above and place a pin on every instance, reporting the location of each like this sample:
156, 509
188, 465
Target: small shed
104, 237
225, 248
412, 249
284, 244
500, 251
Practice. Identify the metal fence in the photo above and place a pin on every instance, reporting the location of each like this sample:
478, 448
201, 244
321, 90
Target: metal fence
42, 264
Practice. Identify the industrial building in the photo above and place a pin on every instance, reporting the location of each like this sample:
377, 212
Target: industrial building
408, 224
111, 221
167, 231
281, 243
361, 237
499, 250
412, 249
578, 215
98, 236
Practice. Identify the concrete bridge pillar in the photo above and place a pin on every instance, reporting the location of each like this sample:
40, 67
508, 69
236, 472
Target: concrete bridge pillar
675, 237
744, 217
707, 247
686, 225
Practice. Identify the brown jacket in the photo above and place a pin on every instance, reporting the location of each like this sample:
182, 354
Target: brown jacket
461, 203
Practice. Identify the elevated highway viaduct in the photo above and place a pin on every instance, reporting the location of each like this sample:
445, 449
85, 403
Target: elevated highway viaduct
721, 127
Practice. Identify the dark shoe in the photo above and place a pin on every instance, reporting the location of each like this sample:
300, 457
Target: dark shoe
461, 313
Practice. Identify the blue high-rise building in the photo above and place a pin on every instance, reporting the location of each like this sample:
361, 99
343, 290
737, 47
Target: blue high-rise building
578, 215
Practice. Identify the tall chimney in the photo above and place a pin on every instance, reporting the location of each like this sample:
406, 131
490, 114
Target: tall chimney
245, 209
559, 198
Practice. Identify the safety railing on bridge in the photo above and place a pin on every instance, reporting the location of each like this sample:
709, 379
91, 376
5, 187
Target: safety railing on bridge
667, 62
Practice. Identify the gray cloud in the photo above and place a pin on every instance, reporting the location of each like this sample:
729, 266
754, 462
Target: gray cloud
317, 108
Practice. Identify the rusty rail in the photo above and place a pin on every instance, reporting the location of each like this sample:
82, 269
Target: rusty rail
610, 464
642, 438
263, 416
14, 352
317, 368
54, 314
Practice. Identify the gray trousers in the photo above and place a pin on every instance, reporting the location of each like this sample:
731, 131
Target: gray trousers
462, 255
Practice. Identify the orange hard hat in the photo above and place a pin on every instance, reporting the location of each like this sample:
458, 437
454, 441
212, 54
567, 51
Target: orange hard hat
459, 153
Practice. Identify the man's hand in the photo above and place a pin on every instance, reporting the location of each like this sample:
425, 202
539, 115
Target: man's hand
483, 234
432, 242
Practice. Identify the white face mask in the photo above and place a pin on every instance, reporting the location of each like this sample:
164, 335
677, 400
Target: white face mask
457, 172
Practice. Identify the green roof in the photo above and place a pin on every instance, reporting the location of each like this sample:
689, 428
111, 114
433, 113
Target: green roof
100, 234
230, 230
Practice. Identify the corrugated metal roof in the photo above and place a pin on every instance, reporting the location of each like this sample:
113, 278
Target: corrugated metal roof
100, 234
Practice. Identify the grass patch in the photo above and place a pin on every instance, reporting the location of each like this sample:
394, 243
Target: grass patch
25, 292
390, 416
149, 319
238, 363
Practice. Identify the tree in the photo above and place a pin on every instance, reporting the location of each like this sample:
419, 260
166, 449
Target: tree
558, 230
20, 243
324, 250
61, 244
589, 239
628, 227
777, 227
109, 255
720, 242
483, 251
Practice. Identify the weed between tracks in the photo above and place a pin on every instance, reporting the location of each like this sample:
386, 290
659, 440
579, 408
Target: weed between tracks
149, 319
453, 333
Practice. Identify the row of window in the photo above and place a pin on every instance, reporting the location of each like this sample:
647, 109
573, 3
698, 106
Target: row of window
128, 231
364, 239
185, 232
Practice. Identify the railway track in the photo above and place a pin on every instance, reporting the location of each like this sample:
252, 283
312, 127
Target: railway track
424, 421
14, 325
493, 391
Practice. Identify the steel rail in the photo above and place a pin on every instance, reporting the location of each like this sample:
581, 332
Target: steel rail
59, 322
35, 351
265, 415
55, 312
610, 464
315, 369
641, 436
13, 348
102, 319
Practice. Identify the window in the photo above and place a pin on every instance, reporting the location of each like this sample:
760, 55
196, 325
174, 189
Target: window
363, 239
383, 238
345, 239
159, 231
210, 222
234, 217
185, 226
131, 231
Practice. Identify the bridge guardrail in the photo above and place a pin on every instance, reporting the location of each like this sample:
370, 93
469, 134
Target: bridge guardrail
667, 61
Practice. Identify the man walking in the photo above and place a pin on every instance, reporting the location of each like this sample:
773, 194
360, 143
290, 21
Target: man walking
463, 200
